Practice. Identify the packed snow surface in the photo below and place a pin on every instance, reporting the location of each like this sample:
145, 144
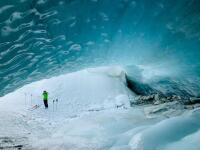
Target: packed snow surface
92, 113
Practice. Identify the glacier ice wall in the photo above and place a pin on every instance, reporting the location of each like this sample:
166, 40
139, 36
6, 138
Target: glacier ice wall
43, 38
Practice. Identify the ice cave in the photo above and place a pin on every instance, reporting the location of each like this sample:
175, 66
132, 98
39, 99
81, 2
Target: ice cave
100, 74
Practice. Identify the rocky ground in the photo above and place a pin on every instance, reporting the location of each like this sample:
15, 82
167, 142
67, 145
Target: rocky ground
157, 99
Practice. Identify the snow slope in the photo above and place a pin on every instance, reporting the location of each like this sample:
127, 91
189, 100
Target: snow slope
92, 113
102, 88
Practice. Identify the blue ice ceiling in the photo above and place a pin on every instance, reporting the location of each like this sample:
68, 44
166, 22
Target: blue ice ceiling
42, 38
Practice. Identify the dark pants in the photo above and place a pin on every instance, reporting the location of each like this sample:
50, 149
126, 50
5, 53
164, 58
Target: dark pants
46, 103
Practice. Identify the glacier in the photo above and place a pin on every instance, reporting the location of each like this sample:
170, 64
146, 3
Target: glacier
43, 38
121, 75
93, 112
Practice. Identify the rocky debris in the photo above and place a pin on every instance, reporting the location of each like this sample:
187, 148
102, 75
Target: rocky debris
192, 101
11, 143
157, 99
192, 106
166, 110
168, 106
143, 99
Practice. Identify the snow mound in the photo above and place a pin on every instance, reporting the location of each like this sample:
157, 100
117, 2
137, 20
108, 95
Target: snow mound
89, 89
169, 134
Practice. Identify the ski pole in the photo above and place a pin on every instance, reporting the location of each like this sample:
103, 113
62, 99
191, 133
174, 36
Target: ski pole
31, 99
56, 104
53, 105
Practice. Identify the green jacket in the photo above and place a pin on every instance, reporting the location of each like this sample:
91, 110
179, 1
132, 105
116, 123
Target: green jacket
45, 96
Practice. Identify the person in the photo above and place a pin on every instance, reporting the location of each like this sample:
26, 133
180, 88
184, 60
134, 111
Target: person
45, 99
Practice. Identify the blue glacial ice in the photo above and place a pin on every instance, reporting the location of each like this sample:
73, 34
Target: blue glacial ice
126, 74
43, 38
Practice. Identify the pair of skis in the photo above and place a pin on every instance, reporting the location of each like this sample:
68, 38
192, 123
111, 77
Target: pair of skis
34, 107
55, 106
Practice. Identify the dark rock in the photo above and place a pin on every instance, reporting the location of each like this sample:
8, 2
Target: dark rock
192, 101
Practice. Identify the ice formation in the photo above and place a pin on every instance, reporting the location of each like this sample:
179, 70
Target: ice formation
146, 97
43, 38
93, 112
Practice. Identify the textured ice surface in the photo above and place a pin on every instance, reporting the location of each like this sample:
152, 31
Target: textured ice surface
43, 38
